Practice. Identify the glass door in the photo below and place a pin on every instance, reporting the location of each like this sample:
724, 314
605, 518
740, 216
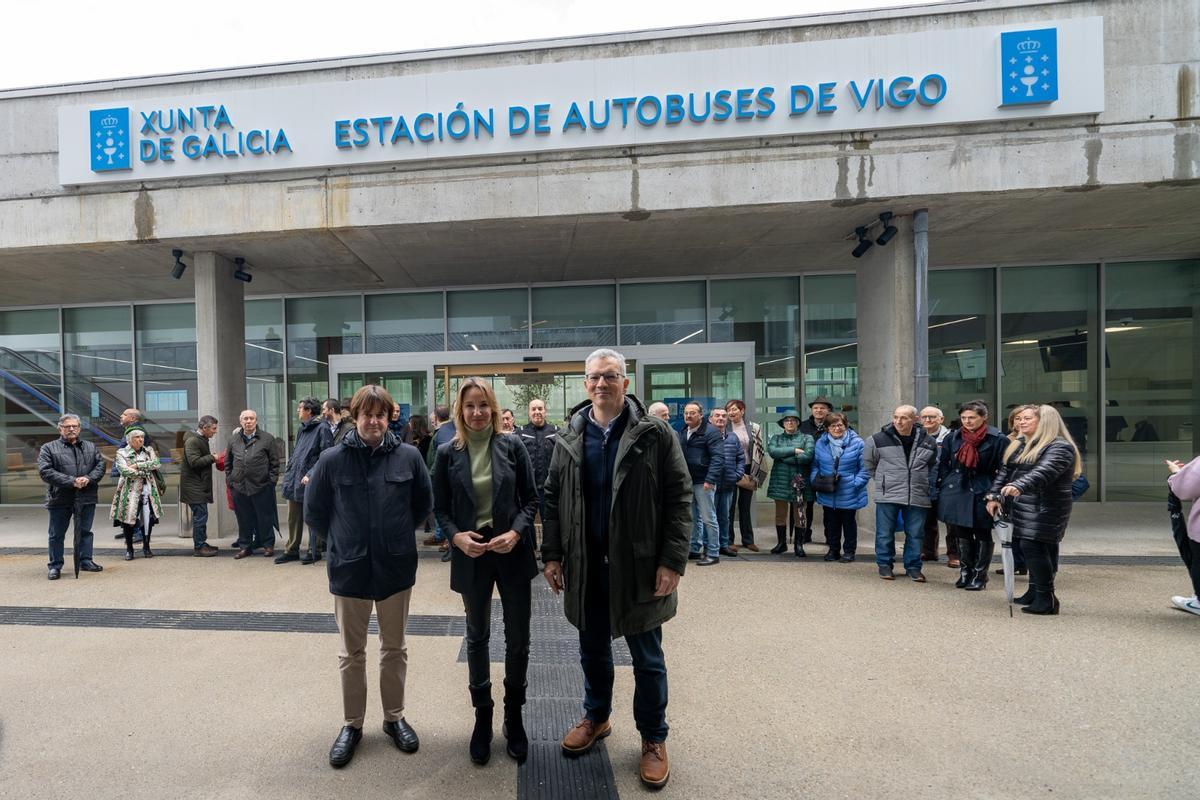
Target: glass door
708, 384
409, 389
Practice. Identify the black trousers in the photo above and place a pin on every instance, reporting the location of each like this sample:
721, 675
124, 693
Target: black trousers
1194, 566
517, 604
975, 534
742, 510
1041, 558
256, 516
130, 530
841, 530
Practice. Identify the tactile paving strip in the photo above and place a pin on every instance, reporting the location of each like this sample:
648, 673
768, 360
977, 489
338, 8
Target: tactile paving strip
264, 621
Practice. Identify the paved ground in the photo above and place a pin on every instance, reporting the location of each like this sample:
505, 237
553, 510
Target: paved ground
788, 680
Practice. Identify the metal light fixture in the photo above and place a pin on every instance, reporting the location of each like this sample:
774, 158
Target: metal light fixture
889, 230
240, 273
864, 244
177, 270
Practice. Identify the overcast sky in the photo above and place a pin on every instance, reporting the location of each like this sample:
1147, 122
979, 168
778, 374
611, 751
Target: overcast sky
45, 42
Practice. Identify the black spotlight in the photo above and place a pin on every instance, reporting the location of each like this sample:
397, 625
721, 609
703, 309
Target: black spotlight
177, 270
889, 230
864, 244
240, 273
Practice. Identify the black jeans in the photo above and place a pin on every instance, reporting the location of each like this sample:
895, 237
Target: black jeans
516, 602
595, 656
841, 530
742, 510
256, 516
1041, 558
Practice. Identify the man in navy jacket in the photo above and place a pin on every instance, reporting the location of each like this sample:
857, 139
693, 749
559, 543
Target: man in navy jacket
365, 497
704, 451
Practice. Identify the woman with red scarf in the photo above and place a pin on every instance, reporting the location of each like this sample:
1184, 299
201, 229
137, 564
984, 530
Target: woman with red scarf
970, 458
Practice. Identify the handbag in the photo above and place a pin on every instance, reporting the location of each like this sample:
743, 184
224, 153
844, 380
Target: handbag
747, 483
826, 483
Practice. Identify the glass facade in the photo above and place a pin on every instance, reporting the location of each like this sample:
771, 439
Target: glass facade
491, 319
1151, 373
662, 313
1048, 325
31, 376
405, 323
831, 342
166, 377
765, 311
962, 339
574, 316
317, 328
1113, 346
264, 366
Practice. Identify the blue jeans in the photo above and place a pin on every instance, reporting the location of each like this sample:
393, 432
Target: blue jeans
60, 520
886, 520
724, 503
705, 530
199, 524
595, 656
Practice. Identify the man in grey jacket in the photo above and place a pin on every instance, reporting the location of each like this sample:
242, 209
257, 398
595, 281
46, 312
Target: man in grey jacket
70, 468
900, 458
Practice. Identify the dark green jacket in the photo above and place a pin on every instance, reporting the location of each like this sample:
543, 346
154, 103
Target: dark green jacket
782, 448
649, 526
195, 472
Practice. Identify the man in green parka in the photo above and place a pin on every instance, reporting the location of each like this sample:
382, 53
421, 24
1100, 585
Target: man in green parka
618, 520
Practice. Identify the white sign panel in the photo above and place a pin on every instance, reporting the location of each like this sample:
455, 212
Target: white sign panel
1041, 69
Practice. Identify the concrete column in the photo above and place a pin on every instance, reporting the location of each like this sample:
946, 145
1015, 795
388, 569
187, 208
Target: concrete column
220, 364
886, 328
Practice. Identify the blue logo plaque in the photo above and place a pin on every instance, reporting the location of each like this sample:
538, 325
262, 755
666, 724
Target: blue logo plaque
1029, 67
109, 140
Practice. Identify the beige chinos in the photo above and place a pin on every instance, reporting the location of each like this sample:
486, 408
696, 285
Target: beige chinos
353, 615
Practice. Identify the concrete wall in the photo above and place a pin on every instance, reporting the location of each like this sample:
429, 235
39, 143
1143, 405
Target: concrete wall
1149, 134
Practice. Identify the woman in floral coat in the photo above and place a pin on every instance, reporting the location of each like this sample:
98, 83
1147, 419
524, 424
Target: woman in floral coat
139, 490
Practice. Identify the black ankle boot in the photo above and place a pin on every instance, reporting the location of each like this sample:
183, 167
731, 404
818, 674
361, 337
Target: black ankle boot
966, 562
983, 559
1041, 582
481, 736
517, 745
1045, 604
798, 545
1026, 598
146, 547
781, 532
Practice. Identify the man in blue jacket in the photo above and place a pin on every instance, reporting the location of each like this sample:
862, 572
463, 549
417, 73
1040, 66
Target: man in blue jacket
365, 497
704, 452
735, 467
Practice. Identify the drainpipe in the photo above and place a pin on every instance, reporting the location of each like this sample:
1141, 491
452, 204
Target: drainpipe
921, 338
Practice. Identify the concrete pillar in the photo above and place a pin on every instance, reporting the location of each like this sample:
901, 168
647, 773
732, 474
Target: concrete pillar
220, 364
886, 327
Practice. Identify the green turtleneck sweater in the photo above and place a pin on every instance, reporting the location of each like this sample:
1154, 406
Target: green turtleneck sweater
479, 448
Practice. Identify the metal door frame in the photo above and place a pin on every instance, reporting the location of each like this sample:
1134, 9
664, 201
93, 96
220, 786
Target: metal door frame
641, 355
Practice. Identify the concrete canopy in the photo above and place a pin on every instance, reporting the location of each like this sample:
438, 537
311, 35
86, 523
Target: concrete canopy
1071, 226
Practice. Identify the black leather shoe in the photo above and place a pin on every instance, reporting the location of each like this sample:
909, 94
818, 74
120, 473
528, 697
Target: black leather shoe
695, 556
284, 558
90, 566
708, 562
830, 557
446, 556
129, 555
846, 559
343, 746
53, 574
725, 551
307, 558
403, 735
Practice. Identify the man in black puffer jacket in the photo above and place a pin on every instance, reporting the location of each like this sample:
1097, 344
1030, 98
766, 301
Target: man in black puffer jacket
365, 497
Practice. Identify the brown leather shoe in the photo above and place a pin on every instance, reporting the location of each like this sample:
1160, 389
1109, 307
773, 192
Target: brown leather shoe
205, 551
753, 548
584, 735
444, 547
733, 548
245, 551
429, 541
953, 563
654, 769
268, 552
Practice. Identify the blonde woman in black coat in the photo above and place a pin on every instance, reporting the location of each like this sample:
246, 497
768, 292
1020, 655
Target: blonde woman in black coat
484, 497
1040, 465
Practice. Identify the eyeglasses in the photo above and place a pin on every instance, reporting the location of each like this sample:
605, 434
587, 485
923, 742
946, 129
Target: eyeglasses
603, 377
929, 416
69, 427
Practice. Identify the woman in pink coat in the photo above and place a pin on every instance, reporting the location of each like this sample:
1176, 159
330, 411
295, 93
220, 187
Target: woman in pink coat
1185, 484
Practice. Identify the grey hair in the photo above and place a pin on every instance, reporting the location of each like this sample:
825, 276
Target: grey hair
65, 418
206, 420
605, 352
912, 410
656, 406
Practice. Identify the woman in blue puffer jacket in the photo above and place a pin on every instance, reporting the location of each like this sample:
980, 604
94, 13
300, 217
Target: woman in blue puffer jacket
840, 450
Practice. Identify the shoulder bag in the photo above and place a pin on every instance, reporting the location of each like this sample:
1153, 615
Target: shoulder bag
826, 483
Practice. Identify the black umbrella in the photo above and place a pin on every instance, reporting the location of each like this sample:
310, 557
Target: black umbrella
1179, 527
75, 525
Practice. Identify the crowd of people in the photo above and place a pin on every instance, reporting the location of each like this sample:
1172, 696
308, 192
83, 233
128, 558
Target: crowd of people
625, 501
